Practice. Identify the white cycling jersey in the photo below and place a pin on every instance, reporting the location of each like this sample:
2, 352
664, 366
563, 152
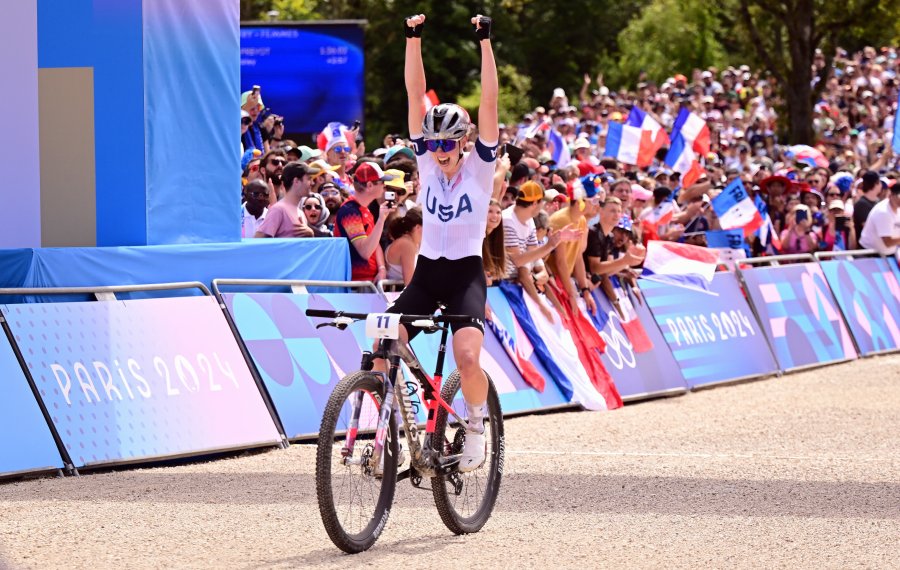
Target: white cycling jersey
454, 212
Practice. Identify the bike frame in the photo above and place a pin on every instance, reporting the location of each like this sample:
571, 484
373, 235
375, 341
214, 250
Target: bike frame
424, 458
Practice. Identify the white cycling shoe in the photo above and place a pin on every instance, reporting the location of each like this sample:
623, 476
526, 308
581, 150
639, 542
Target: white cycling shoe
474, 452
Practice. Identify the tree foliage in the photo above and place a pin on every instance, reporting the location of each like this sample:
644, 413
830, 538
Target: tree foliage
669, 37
543, 45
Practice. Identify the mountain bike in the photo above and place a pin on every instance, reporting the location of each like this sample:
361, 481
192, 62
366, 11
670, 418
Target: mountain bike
358, 452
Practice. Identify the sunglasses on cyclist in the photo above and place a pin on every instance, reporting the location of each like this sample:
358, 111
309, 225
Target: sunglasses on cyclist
312, 207
445, 145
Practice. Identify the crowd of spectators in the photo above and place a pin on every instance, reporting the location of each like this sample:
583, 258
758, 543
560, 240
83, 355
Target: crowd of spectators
567, 227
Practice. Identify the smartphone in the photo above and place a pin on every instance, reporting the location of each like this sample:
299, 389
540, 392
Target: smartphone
390, 197
802, 216
515, 154
840, 223
502, 151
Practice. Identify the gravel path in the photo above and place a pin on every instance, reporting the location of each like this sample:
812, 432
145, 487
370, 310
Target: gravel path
800, 471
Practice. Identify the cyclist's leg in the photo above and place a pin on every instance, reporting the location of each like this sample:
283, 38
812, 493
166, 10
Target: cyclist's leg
469, 299
415, 299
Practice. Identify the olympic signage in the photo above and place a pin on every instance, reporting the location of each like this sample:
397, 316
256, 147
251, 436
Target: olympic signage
127, 381
300, 364
636, 355
25, 440
799, 315
713, 335
869, 296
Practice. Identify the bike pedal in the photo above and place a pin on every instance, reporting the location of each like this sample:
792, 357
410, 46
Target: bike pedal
449, 464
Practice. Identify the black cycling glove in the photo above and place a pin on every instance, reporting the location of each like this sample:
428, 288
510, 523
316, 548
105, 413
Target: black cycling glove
411, 32
484, 32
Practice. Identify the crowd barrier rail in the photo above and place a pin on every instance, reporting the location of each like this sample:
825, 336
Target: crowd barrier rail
139, 380
122, 381
868, 293
796, 308
297, 364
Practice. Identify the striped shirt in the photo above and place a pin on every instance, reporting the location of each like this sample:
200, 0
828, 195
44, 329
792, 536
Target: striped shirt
519, 236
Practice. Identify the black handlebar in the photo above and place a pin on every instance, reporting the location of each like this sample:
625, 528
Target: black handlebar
405, 319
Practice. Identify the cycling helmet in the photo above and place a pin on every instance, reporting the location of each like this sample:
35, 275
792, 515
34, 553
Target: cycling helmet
445, 121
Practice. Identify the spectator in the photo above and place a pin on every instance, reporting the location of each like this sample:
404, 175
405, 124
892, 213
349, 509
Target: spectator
316, 215
251, 103
337, 153
272, 168
799, 237
870, 194
400, 256
333, 200
397, 185
326, 174
600, 244
355, 222
568, 259
882, 229
520, 240
254, 210
285, 218
838, 233
493, 251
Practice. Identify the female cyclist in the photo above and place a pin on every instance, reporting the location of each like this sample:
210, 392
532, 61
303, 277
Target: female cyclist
455, 192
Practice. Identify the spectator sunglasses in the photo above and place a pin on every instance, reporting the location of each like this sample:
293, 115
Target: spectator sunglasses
312, 207
445, 145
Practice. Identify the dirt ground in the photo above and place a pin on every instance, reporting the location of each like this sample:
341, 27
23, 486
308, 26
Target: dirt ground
799, 471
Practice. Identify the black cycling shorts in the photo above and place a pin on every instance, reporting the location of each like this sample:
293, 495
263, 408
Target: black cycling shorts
458, 284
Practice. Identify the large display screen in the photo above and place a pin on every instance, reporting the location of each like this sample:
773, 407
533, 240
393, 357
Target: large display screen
311, 74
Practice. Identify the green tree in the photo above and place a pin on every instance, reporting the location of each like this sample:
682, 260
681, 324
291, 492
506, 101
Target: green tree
513, 100
669, 36
785, 36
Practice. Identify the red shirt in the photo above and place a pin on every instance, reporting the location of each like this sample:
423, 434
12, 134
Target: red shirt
355, 222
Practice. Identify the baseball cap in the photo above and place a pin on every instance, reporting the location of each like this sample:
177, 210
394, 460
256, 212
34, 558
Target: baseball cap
624, 223
836, 205
370, 172
246, 95
397, 180
581, 142
531, 191
638, 192
398, 149
321, 166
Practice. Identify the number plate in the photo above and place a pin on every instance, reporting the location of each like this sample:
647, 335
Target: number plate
383, 325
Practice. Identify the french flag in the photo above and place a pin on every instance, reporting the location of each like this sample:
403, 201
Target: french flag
653, 136
766, 232
559, 149
430, 99
680, 264
662, 214
690, 138
530, 132
623, 142
736, 209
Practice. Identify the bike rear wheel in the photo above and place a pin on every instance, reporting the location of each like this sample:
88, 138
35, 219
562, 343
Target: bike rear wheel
465, 501
354, 493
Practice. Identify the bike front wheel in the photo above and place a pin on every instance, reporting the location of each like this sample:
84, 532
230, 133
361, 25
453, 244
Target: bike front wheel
354, 491
465, 501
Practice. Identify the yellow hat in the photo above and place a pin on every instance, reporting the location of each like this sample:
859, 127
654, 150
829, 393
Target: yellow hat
320, 167
397, 181
531, 191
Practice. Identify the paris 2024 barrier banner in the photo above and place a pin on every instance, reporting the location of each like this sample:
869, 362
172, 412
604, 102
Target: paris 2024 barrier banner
799, 314
129, 381
869, 296
636, 354
300, 365
25, 441
713, 335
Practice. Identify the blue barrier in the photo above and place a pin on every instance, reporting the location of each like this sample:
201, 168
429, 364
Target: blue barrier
636, 354
313, 258
869, 296
713, 336
799, 315
298, 363
26, 444
128, 381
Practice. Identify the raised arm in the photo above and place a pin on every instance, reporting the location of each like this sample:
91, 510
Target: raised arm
414, 73
488, 128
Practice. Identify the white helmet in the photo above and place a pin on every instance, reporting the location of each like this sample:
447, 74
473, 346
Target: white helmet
446, 121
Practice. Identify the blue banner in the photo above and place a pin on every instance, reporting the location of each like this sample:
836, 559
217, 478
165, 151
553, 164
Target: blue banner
869, 296
25, 440
731, 196
130, 381
713, 336
799, 315
636, 354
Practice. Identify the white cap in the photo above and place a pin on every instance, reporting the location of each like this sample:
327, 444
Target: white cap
706, 74
581, 142
559, 92
604, 91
